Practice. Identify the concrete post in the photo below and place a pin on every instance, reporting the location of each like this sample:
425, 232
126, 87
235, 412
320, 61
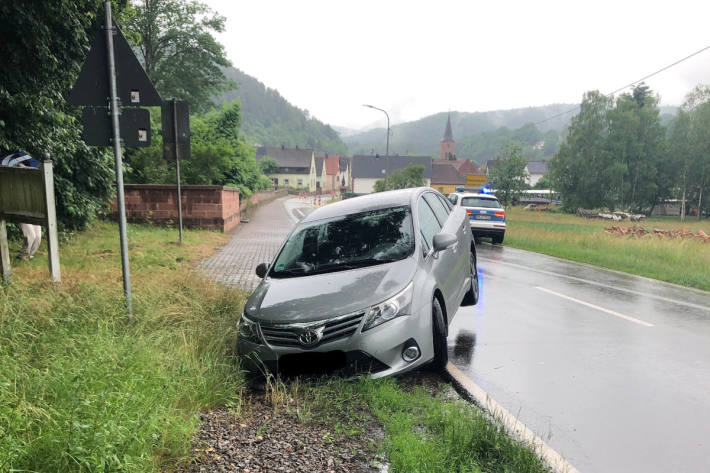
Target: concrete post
52, 241
5, 273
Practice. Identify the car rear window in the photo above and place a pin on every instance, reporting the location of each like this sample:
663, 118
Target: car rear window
487, 202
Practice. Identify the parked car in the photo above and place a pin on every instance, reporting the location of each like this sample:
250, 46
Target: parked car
372, 281
485, 214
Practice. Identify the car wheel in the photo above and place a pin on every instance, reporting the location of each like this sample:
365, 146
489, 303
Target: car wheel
471, 297
498, 239
441, 352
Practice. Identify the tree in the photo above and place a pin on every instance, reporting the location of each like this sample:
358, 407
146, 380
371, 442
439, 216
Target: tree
268, 165
581, 169
178, 50
681, 155
411, 176
218, 155
690, 148
543, 183
42, 53
637, 150
508, 177
700, 165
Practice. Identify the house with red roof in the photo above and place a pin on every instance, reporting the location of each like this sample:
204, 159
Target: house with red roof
335, 172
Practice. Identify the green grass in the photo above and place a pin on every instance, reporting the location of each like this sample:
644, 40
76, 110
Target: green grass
425, 431
683, 262
83, 387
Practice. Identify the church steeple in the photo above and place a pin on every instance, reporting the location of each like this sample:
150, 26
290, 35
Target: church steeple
447, 149
448, 134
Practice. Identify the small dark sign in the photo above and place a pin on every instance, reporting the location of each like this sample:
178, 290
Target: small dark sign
134, 122
132, 83
183, 129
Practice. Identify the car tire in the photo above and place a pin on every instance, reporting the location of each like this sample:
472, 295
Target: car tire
498, 239
441, 351
471, 297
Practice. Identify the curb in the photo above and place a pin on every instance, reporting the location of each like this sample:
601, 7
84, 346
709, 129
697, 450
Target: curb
472, 392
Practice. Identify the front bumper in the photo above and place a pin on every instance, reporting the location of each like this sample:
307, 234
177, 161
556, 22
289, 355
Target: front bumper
377, 351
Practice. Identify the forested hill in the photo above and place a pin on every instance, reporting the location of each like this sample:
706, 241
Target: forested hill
268, 119
423, 136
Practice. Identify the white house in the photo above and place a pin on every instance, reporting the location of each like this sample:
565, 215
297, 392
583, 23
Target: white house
366, 170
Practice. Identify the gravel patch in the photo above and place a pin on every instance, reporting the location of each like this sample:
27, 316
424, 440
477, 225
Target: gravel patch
264, 439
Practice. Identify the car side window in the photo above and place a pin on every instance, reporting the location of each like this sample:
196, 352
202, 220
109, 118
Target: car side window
425, 244
453, 198
428, 223
446, 203
441, 212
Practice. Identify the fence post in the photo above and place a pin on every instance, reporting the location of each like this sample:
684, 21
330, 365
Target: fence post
52, 241
5, 273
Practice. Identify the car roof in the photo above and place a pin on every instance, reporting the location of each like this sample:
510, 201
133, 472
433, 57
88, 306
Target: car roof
472, 194
378, 200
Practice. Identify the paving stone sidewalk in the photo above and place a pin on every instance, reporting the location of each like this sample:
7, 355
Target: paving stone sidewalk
253, 243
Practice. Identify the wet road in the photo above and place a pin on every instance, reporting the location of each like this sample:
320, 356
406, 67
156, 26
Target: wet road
613, 371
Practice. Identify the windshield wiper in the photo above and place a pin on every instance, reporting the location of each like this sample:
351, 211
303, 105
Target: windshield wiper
289, 272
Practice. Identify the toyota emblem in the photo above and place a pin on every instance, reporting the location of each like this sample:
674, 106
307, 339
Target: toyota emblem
310, 337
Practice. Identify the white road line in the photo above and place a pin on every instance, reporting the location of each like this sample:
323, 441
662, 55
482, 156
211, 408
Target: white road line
599, 284
511, 423
601, 309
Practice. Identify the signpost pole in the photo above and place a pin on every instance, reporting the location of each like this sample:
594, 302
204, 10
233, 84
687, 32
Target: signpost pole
114, 110
177, 167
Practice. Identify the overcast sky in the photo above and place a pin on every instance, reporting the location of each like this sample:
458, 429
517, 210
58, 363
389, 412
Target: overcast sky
415, 58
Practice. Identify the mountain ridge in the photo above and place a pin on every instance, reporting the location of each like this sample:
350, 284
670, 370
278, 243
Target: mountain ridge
268, 119
423, 135
478, 135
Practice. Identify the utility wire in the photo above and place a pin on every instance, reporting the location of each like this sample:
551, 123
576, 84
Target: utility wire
630, 84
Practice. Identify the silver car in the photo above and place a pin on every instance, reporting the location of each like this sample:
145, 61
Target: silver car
371, 282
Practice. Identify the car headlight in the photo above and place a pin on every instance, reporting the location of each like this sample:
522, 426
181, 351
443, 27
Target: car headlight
400, 304
249, 330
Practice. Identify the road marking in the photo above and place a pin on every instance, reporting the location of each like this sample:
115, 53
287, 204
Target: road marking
599, 284
509, 421
602, 309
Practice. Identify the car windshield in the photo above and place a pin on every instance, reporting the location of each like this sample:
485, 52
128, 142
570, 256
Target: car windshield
347, 242
486, 202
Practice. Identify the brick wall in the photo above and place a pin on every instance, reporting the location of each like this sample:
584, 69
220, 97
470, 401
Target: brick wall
259, 197
209, 207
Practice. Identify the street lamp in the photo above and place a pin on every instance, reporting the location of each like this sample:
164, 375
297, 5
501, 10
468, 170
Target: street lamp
387, 150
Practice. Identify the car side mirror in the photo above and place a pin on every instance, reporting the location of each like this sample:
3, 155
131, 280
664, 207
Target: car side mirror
262, 269
443, 241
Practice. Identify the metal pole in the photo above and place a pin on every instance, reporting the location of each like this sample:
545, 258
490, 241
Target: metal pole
387, 149
177, 168
115, 112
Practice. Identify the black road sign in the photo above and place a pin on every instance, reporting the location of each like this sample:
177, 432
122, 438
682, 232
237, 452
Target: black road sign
134, 88
135, 127
183, 129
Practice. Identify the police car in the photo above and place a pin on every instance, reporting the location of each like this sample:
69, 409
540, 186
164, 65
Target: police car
486, 215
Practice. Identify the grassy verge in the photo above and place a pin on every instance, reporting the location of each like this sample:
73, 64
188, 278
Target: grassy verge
83, 387
683, 262
425, 429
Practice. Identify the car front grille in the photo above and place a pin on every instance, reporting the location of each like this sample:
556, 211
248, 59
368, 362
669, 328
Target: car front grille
287, 335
